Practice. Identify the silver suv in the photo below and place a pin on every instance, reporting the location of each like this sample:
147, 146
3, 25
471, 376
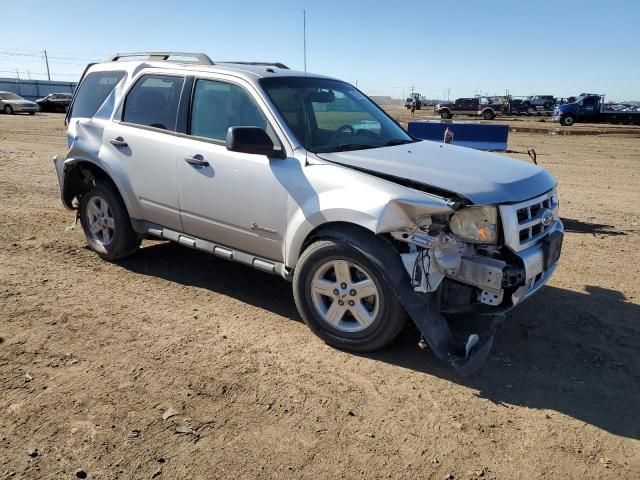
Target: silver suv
305, 177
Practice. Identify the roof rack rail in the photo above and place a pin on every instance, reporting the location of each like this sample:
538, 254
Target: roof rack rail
200, 58
261, 64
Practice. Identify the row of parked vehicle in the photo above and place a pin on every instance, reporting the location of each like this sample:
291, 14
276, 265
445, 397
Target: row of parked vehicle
11, 103
586, 107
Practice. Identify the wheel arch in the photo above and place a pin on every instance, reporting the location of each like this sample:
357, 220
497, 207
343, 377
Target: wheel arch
391, 215
78, 173
333, 230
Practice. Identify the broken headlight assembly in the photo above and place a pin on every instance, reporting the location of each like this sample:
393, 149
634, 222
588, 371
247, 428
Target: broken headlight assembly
476, 224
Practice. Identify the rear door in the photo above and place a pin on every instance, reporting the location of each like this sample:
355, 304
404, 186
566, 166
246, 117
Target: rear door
141, 143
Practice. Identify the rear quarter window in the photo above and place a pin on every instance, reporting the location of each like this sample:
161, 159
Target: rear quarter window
93, 91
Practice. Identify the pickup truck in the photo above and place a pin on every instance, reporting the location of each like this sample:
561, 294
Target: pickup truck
544, 101
469, 106
592, 109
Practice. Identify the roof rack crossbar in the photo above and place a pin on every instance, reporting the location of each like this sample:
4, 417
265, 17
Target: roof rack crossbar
200, 58
261, 64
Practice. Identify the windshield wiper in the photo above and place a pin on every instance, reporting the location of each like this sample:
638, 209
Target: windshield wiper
397, 141
344, 147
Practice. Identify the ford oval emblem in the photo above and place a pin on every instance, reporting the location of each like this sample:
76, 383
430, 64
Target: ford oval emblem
547, 217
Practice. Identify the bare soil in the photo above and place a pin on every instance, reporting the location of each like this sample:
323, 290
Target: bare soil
93, 354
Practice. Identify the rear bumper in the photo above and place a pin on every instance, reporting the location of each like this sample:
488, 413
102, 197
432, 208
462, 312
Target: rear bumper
59, 163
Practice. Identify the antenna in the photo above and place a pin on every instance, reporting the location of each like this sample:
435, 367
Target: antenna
304, 90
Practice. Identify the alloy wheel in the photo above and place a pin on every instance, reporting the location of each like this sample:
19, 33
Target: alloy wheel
100, 220
345, 296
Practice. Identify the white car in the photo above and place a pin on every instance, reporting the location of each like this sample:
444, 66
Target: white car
11, 103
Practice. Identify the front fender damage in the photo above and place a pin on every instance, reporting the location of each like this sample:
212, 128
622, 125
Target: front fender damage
465, 355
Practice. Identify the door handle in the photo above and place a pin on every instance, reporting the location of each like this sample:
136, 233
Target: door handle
118, 142
197, 161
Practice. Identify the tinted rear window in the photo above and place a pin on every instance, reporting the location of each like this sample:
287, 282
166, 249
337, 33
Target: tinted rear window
153, 101
95, 88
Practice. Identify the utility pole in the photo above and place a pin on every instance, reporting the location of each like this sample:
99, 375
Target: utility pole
46, 60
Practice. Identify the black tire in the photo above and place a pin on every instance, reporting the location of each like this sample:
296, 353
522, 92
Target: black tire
32, 113
124, 240
390, 317
8, 109
445, 114
488, 115
567, 120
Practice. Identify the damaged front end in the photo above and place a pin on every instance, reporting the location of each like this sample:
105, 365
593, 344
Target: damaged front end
467, 263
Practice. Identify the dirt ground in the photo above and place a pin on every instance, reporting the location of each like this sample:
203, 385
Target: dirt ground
93, 354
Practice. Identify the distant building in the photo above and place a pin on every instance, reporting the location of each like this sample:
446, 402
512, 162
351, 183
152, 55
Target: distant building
386, 100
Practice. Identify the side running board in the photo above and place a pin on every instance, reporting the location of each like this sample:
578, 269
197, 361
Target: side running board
227, 253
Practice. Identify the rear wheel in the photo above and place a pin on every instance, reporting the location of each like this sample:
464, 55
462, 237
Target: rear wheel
344, 298
567, 120
8, 109
106, 223
445, 114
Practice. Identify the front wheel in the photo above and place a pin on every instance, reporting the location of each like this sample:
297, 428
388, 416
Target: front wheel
567, 120
445, 114
343, 297
106, 223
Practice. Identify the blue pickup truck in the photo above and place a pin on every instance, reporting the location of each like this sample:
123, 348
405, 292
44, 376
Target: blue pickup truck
591, 109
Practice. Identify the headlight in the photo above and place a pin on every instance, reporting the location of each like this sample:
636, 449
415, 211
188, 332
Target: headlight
476, 224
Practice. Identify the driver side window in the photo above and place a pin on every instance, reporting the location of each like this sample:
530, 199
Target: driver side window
217, 106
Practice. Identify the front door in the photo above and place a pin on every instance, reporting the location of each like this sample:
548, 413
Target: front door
142, 145
231, 198
588, 111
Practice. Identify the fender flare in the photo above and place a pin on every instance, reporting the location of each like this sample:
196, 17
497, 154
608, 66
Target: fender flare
69, 176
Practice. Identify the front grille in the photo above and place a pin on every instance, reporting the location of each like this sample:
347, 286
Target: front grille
522, 222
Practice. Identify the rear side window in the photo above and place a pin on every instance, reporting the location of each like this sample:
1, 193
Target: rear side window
153, 101
94, 89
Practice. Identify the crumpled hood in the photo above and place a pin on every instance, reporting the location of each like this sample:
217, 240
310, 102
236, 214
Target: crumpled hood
484, 178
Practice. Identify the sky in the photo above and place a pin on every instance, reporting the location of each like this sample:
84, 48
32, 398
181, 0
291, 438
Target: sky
544, 47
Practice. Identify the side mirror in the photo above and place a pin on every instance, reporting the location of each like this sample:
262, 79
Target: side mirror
252, 140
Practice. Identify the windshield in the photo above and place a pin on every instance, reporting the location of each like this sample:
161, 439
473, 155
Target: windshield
331, 116
10, 96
